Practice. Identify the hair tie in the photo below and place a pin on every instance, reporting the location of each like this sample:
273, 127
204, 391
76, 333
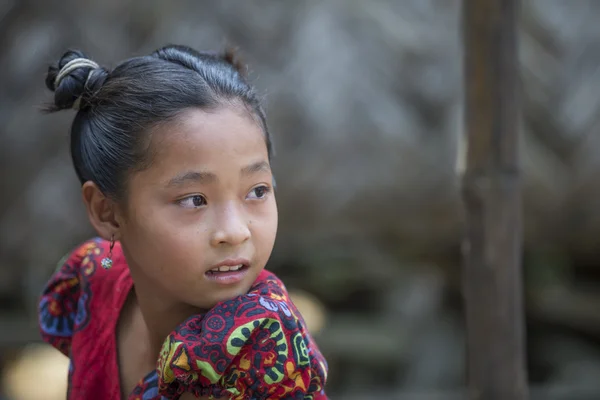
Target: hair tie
73, 65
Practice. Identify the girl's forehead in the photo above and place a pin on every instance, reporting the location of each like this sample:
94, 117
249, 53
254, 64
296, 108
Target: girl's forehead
225, 128
207, 140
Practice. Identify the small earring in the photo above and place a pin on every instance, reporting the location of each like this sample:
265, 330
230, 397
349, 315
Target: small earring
107, 261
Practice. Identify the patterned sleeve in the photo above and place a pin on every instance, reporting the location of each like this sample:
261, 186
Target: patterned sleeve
255, 346
63, 299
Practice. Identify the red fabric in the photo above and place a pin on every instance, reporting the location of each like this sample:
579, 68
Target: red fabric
255, 346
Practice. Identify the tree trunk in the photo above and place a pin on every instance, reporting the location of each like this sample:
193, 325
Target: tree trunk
491, 190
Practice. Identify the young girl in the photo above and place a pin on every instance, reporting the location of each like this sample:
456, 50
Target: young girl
173, 301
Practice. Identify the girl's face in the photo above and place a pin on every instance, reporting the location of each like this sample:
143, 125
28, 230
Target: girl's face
200, 222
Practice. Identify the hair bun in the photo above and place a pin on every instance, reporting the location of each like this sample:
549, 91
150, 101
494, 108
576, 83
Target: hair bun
72, 79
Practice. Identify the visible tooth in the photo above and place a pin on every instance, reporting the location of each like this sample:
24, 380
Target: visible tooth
226, 268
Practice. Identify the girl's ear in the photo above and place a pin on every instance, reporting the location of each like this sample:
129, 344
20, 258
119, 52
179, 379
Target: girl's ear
102, 211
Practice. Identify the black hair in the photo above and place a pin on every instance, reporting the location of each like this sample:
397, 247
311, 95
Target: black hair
116, 109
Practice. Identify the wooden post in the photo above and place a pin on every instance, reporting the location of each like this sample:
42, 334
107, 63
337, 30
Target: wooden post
491, 192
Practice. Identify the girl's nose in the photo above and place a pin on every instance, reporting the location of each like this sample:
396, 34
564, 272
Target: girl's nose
231, 227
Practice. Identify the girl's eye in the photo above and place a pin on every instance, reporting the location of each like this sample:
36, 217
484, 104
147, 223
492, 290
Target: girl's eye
259, 192
194, 201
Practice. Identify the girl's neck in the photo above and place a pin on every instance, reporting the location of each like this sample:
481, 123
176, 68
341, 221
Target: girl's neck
161, 314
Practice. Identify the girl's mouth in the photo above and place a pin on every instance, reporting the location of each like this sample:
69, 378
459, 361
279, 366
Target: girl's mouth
228, 274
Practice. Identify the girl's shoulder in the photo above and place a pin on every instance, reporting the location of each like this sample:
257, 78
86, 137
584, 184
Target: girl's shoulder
78, 283
253, 346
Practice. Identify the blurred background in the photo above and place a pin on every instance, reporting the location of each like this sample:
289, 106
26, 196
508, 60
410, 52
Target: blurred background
364, 99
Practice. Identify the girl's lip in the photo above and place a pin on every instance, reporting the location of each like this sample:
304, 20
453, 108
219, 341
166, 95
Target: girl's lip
228, 277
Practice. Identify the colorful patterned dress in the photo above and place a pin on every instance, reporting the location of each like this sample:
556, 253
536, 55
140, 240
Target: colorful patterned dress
255, 346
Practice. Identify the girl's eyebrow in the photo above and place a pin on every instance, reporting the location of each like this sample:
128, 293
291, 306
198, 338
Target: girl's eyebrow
205, 177
259, 166
192, 176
